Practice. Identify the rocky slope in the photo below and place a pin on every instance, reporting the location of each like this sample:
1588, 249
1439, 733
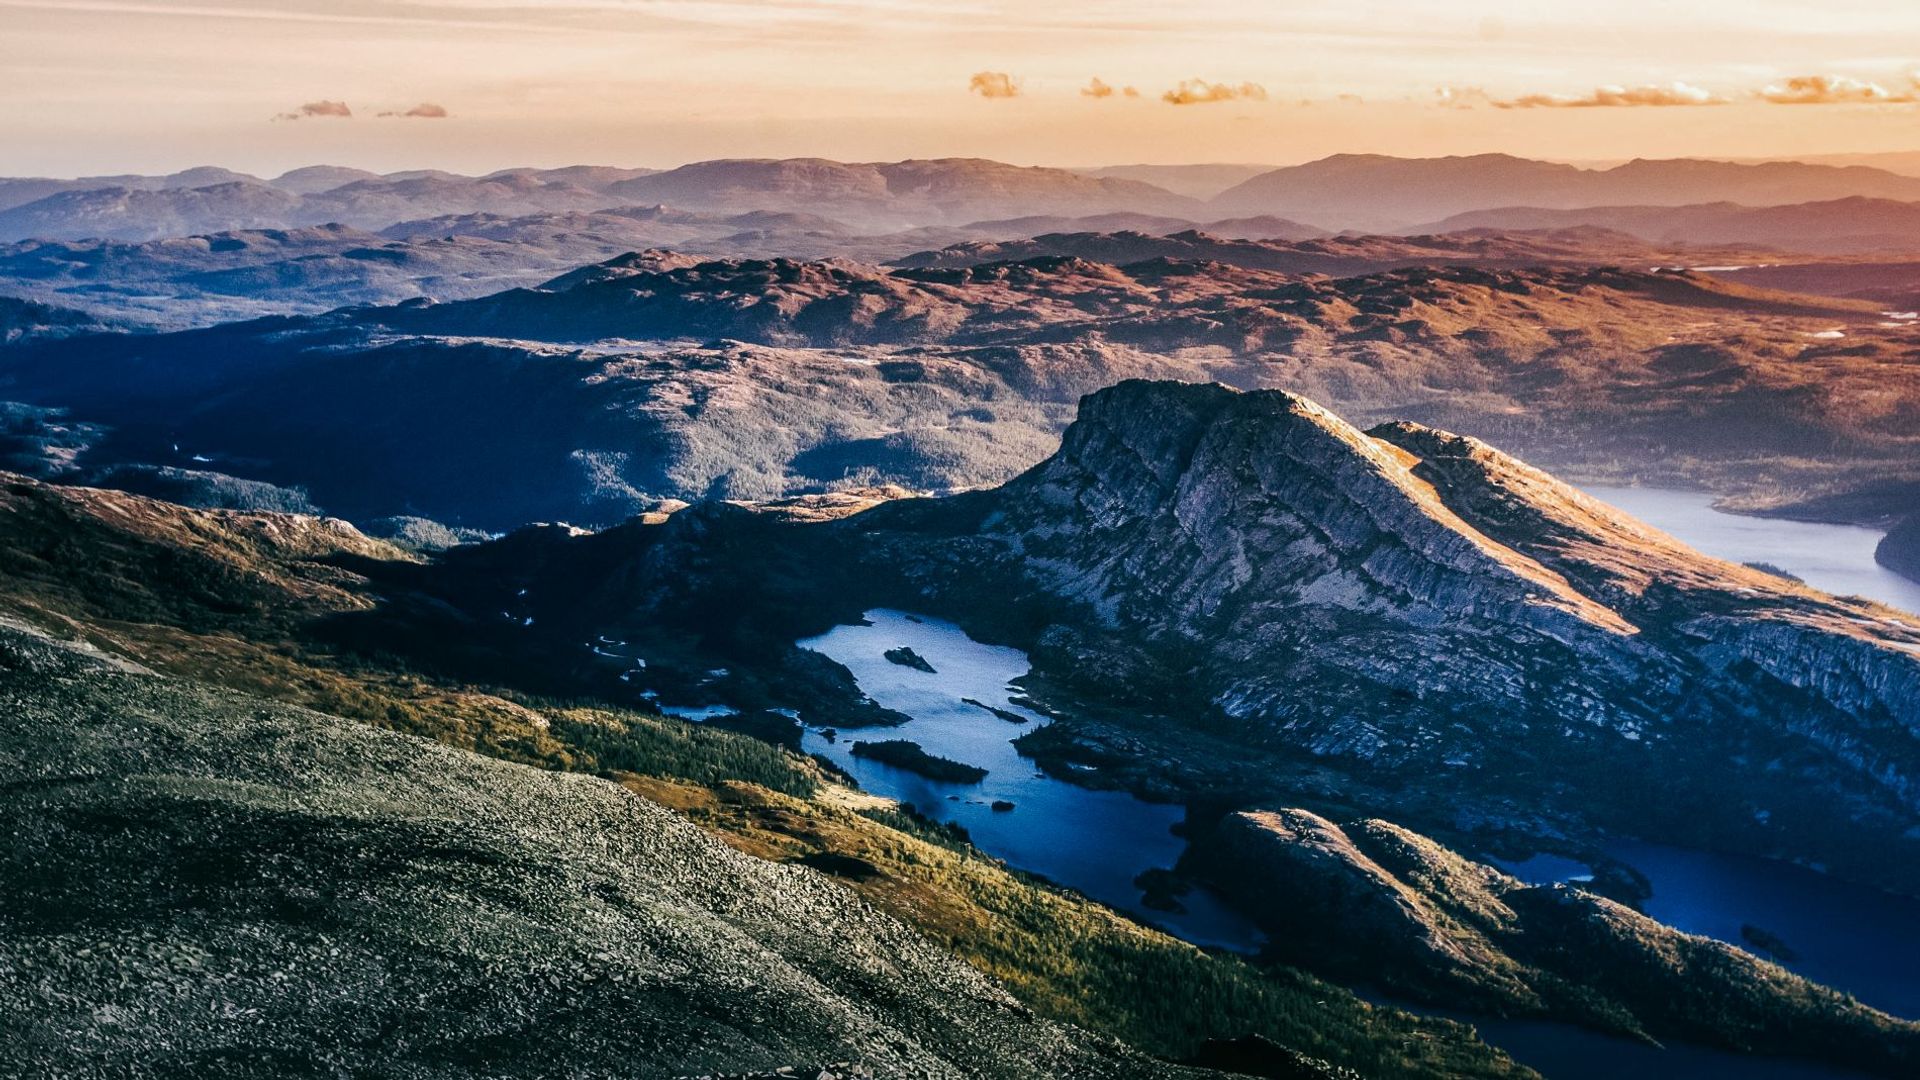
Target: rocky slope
247, 602
1392, 905
249, 888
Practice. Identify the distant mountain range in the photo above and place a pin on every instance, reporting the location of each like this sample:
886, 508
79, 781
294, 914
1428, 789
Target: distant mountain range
1344, 255
1382, 194
1369, 193
874, 198
200, 280
662, 375
1852, 225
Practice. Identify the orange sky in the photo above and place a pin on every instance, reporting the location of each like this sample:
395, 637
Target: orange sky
145, 85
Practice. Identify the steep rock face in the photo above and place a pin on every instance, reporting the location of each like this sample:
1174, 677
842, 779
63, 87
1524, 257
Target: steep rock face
1389, 902
1426, 612
1286, 549
1859, 658
253, 889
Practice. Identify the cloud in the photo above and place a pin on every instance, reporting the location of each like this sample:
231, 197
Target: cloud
336, 110
1202, 92
423, 111
1609, 97
993, 84
1099, 88
1459, 97
1831, 90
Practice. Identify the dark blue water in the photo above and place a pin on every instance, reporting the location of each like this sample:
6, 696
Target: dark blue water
1095, 842
1852, 938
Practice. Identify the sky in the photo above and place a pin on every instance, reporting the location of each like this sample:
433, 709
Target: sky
104, 86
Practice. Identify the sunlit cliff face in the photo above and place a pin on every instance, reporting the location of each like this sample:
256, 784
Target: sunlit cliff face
108, 85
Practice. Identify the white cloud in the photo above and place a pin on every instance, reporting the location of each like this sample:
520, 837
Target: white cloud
1832, 90
1609, 97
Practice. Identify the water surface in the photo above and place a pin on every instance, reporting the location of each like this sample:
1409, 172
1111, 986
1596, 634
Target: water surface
1095, 842
1833, 558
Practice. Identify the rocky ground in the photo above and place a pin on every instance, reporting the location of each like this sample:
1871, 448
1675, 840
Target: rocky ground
198, 882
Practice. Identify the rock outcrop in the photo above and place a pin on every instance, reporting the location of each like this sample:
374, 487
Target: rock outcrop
1390, 905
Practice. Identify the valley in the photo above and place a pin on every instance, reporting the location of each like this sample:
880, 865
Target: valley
1375, 618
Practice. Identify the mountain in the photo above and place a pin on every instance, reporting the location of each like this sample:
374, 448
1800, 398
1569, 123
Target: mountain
28, 320
1238, 594
141, 214
220, 277
1853, 225
200, 280
898, 194
1156, 303
17, 191
1344, 256
1354, 191
313, 179
1235, 597
1194, 181
1899, 550
1378, 193
665, 376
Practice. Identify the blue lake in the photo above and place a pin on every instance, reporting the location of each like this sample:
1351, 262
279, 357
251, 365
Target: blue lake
1833, 558
1095, 842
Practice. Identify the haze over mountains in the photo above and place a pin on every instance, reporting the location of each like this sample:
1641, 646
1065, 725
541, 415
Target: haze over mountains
209, 245
1345, 192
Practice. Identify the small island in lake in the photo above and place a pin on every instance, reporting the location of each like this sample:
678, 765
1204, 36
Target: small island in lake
906, 657
1008, 715
906, 754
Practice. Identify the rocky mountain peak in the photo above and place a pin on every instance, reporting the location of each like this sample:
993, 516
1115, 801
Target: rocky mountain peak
1266, 493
